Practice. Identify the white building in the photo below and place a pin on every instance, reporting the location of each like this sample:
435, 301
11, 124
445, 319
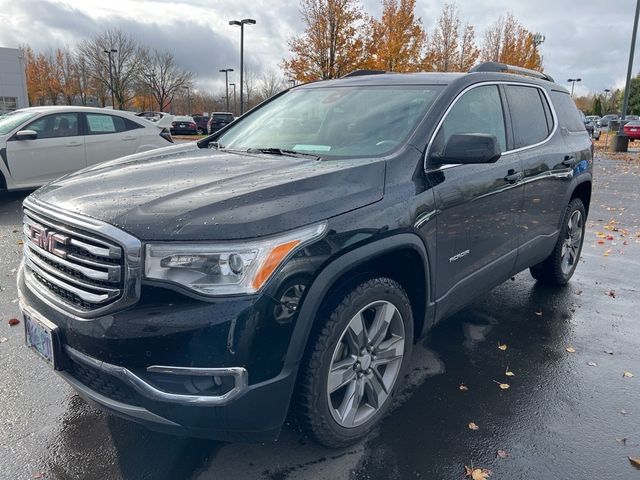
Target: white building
13, 80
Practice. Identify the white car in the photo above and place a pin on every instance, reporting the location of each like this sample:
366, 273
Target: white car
40, 144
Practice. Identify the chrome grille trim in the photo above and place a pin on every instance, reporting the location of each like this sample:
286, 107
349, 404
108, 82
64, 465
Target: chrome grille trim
100, 274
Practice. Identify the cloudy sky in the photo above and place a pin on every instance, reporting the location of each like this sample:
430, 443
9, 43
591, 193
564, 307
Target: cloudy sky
584, 38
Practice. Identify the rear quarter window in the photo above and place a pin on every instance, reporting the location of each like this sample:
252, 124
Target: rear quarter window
528, 115
568, 114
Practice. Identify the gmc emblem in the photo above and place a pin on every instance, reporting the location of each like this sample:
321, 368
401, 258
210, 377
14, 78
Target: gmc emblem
48, 240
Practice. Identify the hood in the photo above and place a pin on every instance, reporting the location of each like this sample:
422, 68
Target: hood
187, 193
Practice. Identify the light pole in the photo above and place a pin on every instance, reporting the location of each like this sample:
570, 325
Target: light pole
606, 92
109, 53
226, 81
241, 23
573, 83
234, 98
186, 87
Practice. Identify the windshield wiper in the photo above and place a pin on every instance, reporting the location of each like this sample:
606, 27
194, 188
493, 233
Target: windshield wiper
282, 151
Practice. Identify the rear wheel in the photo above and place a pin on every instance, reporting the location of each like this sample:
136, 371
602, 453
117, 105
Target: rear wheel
356, 362
558, 268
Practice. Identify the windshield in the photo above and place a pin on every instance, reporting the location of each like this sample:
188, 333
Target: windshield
334, 121
14, 119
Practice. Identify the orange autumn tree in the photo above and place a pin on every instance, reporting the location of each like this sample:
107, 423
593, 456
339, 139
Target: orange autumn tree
508, 41
395, 41
331, 44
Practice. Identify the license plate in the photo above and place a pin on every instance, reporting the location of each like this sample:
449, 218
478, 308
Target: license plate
40, 336
633, 129
182, 125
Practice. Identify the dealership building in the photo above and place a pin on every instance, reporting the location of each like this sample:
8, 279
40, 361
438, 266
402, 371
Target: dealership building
13, 81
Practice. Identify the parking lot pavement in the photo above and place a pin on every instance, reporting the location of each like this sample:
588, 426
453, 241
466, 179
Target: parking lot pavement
565, 415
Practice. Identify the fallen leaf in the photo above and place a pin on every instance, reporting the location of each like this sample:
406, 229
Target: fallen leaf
579, 292
570, 350
39, 475
502, 347
503, 386
3, 339
610, 352
509, 373
592, 364
624, 412
627, 375
634, 461
463, 387
609, 237
607, 252
473, 426
612, 293
19, 242
623, 441
13, 322
502, 454
476, 473
600, 242
601, 235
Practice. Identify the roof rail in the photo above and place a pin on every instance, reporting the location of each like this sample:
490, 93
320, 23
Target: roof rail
358, 73
504, 68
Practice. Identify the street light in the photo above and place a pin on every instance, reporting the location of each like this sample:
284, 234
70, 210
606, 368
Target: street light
226, 81
606, 92
186, 87
573, 83
109, 53
241, 24
234, 97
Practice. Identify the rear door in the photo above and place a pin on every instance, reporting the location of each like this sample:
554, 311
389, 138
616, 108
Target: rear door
58, 150
478, 205
110, 136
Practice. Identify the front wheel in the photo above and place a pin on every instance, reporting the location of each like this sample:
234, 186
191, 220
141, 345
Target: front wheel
558, 268
356, 362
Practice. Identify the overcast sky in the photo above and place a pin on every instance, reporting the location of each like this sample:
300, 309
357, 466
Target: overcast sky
584, 38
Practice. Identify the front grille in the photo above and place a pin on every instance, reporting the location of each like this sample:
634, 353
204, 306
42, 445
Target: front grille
79, 268
103, 383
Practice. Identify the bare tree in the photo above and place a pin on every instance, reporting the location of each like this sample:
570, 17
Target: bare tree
163, 77
249, 89
126, 62
270, 84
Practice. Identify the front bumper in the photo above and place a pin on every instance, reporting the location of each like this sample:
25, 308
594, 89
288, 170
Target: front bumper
146, 363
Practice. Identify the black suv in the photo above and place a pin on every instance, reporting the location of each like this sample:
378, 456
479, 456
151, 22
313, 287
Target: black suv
292, 259
218, 120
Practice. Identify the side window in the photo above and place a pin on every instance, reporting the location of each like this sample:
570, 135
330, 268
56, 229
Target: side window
568, 113
56, 125
527, 115
547, 111
99, 124
477, 111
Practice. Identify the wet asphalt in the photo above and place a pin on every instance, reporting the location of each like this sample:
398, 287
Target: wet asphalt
565, 416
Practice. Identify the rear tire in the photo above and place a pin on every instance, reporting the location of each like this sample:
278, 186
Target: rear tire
558, 268
355, 364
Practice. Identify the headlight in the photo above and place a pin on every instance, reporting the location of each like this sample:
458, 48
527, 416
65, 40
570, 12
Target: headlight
225, 268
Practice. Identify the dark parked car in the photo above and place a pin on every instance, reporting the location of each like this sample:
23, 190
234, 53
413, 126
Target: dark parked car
201, 123
264, 267
604, 121
183, 125
219, 120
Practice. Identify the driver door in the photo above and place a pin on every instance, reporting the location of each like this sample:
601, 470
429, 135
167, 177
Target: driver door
478, 205
58, 150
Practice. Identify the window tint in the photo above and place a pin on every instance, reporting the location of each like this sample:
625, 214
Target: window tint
101, 124
477, 111
56, 125
568, 115
527, 115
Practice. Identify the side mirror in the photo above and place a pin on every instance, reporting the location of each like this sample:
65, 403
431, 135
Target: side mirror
26, 135
469, 148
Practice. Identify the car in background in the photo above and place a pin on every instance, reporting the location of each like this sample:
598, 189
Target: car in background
632, 129
590, 126
40, 144
219, 120
606, 119
184, 125
593, 118
201, 123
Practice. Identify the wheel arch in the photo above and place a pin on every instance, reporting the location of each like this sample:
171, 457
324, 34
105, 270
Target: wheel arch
394, 256
583, 191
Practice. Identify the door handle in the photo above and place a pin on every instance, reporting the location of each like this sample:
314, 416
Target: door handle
127, 139
513, 176
569, 161
74, 144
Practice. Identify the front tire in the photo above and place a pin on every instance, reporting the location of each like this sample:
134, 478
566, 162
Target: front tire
558, 268
355, 364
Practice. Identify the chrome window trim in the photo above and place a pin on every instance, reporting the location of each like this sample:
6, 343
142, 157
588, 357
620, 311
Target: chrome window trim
131, 248
508, 152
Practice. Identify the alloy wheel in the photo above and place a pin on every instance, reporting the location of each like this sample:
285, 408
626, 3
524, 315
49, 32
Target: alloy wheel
365, 364
572, 242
